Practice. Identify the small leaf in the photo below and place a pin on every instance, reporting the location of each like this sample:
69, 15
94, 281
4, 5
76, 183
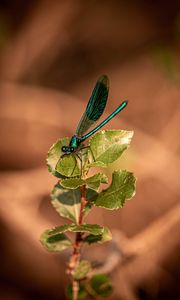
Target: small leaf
54, 154
91, 195
82, 294
100, 285
89, 228
121, 189
72, 183
102, 234
92, 239
101, 238
67, 202
94, 181
65, 166
55, 239
108, 145
56, 242
106, 236
82, 270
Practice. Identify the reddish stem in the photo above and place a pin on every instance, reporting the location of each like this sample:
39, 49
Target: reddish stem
75, 258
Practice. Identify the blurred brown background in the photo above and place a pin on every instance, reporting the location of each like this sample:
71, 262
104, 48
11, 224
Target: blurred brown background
51, 54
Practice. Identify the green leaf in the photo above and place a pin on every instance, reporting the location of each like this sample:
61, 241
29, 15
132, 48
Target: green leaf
82, 294
92, 239
106, 236
55, 243
72, 183
108, 145
65, 166
54, 154
95, 232
100, 285
91, 195
82, 270
94, 229
101, 238
94, 181
88, 228
55, 240
68, 166
67, 202
121, 189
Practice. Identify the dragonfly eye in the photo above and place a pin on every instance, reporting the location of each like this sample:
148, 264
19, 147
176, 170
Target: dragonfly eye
63, 148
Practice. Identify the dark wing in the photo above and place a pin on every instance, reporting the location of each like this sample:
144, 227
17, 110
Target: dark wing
95, 106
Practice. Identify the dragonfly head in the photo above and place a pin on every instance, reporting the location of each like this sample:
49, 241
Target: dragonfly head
73, 145
67, 149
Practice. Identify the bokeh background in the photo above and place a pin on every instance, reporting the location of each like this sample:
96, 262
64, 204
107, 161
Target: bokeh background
51, 54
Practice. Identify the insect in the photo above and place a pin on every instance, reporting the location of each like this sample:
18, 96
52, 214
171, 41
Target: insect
93, 112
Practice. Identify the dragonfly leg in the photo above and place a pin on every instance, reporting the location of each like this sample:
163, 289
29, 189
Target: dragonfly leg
85, 147
75, 154
89, 149
74, 168
80, 160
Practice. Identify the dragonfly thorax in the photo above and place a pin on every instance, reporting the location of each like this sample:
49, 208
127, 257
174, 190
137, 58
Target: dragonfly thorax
75, 142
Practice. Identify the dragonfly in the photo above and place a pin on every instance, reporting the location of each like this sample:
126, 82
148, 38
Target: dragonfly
93, 112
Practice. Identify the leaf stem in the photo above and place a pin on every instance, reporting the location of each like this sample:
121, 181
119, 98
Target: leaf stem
83, 203
75, 257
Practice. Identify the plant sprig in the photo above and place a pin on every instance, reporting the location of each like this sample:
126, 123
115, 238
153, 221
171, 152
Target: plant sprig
76, 194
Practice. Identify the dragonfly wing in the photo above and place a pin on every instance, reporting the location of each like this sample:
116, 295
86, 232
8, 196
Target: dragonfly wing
95, 106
